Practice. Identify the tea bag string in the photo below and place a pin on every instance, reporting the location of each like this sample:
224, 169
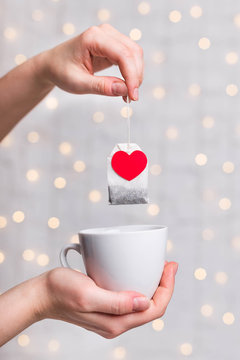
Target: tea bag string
128, 122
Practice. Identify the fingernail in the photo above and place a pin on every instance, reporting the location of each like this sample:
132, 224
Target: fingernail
119, 89
140, 303
135, 94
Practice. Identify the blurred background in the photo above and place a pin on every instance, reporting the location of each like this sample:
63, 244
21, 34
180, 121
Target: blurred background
53, 171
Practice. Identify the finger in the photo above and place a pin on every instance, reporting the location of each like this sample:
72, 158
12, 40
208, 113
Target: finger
116, 303
105, 85
134, 48
99, 45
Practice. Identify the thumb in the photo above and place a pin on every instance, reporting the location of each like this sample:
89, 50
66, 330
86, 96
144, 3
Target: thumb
105, 85
118, 303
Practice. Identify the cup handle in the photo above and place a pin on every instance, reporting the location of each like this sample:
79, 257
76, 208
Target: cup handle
64, 251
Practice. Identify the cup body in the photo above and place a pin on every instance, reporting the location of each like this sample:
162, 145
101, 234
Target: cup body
125, 257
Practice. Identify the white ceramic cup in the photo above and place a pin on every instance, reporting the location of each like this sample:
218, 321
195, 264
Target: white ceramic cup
122, 258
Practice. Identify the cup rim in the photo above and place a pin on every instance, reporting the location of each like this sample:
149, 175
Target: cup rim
123, 229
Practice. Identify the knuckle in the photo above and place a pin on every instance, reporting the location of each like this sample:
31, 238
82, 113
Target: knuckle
90, 33
99, 86
105, 26
114, 331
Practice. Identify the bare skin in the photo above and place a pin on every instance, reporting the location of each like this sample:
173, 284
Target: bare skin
65, 294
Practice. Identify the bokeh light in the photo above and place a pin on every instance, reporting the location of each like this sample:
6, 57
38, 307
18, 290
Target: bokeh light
196, 11
231, 58
37, 15
225, 204
3, 222
144, 8
95, 196
159, 92
23, 340
28, 255
2, 257
236, 20
228, 318
74, 239
43, 260
200, 273
221, 277
232, 89
135, 34
158, 325
208, 234
194, 90
103, 15
33, 137
53, 345
18, 216
65, 148
169, 246
208, 122
175, 16
236, 242
206, 310
155, 169
119, 353
153, 209
124, 112
10, 33
79, 166
201, 159
158, 57
98, 117
32, 175
60, 182
172, 133
68, 29
51, 102
204, 43
7, 141
186, 349
20, 59
53, 222
228, 167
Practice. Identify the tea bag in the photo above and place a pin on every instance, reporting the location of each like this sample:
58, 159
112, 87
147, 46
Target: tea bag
127, 174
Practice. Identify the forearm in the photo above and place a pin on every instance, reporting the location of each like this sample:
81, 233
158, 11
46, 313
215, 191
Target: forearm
20, 90
20, 307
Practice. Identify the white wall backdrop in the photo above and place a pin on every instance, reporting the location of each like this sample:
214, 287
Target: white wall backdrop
187, 121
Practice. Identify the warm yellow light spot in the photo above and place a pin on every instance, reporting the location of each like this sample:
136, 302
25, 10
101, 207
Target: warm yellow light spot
155, 169
124, 112
158, 324
175, 16
231, 58
204, 43
103, 15
95, 196
135, 34
53, 345
28, 255
221, 277
228, 167
231, 89
79, 166
158, 57
68, 29
2, 257
228, 318
18, 216
3, 222
53, 222
206, 310
51, 102
43, 259
60, 182
7, 141
37, 15
196, 11
32, 175
119, 353
208, 122
172, 133
236, 243
159, 92
144, 8
186, 349
200, 273
201, 159
169, 246
74, 239
20, 59
23, 340
225, 204
98, 117
208, 234
194, 90
209, 195
65, 148
236, 20
153, 209
10, 33
33, 137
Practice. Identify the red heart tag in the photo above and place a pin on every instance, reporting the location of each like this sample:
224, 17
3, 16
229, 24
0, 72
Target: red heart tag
129, 166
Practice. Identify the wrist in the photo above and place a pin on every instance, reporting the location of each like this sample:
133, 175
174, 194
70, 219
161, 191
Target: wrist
40, 298
41, 69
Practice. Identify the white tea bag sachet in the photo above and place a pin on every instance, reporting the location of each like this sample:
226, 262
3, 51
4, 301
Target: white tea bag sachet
127, 173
